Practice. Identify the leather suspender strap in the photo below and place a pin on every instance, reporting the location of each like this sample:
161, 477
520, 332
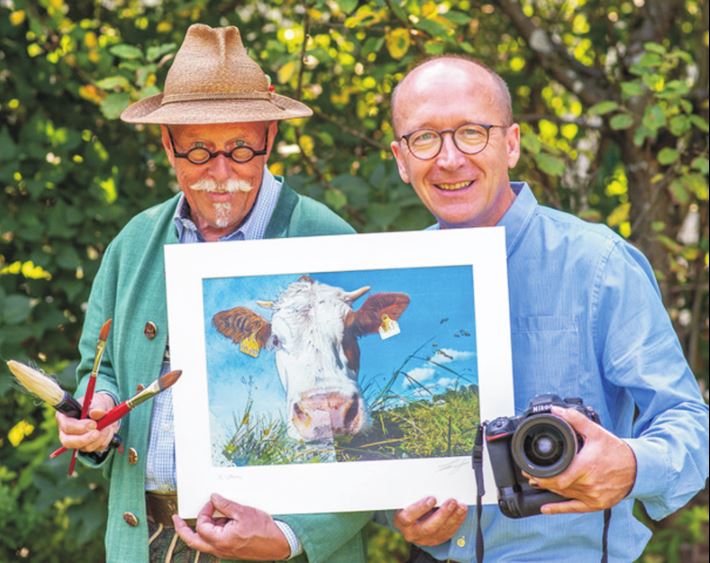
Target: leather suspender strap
605, 536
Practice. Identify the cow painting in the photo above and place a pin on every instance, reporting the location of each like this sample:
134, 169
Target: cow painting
313, 332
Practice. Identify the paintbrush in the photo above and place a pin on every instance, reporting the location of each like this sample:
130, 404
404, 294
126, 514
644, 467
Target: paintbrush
119, 411
47, 390
89, 395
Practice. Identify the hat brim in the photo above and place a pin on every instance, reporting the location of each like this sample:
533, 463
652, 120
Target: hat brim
203, 112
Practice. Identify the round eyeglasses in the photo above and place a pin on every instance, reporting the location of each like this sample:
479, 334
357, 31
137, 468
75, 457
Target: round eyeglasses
201, 155
469, 138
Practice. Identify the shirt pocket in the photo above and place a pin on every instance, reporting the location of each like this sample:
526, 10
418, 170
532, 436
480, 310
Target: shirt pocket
545, 357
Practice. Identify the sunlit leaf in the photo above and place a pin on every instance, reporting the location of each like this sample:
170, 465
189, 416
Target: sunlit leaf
550, 164
668, 155
126, 51
602, 108
114, 82
700, 163
398, 42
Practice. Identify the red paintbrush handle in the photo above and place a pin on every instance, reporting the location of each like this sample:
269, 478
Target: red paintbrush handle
88, 396
116, 413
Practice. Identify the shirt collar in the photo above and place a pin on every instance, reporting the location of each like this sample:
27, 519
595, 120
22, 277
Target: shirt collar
516, 218
187, 230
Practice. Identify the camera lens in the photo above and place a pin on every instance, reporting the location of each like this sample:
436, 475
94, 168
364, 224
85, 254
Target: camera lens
543, 445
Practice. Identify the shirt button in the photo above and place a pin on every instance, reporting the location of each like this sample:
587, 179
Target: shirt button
150, 330
131, 519
132, 456
461, 542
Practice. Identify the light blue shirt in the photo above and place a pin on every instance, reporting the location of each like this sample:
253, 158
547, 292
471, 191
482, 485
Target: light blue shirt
587, 321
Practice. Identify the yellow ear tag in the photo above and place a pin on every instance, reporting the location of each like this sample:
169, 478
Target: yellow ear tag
250, 346
388, 328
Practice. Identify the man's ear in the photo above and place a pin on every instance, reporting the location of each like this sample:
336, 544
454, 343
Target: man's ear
273, 129
401, 164
167, 145
512, 144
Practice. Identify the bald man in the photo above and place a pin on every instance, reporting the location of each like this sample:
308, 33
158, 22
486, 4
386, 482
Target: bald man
586, 320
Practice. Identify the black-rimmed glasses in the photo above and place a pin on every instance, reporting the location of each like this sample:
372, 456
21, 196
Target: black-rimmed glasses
469, 138
201, 155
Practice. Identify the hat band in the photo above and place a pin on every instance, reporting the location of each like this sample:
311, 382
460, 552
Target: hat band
254, 95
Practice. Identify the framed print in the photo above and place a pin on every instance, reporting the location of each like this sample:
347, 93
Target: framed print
337, 373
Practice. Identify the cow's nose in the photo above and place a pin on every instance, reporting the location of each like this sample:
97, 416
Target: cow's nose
320, 415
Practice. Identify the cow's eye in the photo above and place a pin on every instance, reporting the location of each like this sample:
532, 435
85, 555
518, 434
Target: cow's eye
275, 341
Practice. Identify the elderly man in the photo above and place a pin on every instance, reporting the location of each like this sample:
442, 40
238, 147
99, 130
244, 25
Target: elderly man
218, 119
586, 320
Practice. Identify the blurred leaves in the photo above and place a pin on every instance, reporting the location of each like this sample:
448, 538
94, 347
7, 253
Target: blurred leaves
635, 157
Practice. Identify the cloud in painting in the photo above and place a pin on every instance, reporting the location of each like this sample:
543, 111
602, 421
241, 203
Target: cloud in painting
419, 374
447, 355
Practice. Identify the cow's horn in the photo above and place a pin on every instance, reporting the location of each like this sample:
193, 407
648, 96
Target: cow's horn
265, 304
353, 295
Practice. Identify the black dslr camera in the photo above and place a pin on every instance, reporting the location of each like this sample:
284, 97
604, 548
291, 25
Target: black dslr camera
537, 442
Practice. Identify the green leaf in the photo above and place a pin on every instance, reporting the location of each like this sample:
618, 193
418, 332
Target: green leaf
697, 184
654, 117
700, 123
383, 214
621, 121
124, 51
550, 164
435, 29
668, 156
679, 124
531, 143
347, 6
459, 18
632, 88
336, 198
158, 51
654, 47
16, 309
8, 149
602, 108
679, 191
114, 82
113, 104
700, 163
68, 258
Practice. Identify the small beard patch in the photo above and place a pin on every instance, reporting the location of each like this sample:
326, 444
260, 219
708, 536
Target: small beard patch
222, 211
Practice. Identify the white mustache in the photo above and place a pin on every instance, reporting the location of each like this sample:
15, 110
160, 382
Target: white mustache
230, 186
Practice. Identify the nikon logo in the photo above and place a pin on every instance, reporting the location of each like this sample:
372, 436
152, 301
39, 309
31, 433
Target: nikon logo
540, 408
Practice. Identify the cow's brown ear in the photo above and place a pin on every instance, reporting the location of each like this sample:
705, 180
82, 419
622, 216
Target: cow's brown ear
368, 318
240, 323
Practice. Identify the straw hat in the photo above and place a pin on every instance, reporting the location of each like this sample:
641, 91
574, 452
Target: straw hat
213, 80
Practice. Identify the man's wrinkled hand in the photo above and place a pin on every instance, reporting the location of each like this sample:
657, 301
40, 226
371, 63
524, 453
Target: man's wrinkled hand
242, 533
423, 524
601, 474
81, 434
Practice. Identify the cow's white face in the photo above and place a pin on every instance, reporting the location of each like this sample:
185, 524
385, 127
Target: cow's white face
308, 333
314, 332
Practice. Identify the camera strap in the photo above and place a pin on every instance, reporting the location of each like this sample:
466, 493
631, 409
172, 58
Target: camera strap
477, 462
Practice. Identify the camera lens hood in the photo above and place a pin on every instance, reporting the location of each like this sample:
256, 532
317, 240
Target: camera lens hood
543, 445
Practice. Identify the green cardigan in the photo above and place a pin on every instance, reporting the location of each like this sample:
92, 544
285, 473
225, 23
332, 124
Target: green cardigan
130, 289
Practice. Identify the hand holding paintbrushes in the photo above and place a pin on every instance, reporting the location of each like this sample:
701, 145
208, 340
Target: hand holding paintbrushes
119, 411
89, 396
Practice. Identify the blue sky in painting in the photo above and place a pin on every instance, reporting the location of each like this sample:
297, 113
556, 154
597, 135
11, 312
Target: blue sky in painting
437, 331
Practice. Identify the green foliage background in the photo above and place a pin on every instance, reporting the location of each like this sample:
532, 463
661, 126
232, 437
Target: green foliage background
612, 96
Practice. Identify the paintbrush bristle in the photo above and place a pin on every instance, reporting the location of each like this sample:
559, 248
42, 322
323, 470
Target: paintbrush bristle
103, 333
169, 379
36, 382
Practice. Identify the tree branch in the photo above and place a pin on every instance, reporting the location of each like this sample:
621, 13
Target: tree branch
586, 82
